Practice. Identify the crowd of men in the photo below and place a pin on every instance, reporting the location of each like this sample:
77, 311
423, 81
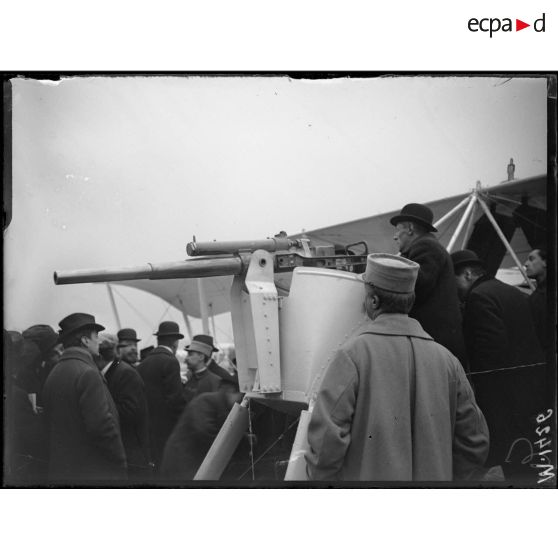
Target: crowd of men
83, 408
396, 403
405, 399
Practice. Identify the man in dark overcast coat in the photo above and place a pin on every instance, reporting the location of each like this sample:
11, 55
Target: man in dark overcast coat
82, 420
160, 372
436, 304
500, 334
128, 391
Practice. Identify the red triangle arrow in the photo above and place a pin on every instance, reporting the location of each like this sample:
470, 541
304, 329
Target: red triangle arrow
519, 25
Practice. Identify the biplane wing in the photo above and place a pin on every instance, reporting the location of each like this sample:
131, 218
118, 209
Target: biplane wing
519, 207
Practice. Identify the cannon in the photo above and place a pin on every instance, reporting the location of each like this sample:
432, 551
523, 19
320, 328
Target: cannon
283, 341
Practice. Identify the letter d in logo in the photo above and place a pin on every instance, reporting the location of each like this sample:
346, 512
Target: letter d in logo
538, 26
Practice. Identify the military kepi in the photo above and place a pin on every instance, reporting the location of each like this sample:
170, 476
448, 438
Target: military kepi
391, 273
200, 347
77, 321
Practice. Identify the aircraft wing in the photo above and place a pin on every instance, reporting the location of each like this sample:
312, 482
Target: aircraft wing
377, 232
184, 294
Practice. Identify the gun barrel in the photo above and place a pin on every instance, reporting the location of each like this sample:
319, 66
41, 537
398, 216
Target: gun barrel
196, 267
233, 247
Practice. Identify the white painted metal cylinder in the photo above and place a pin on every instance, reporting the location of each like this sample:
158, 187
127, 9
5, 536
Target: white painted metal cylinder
324, 308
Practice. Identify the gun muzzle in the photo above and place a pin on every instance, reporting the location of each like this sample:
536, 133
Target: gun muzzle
196, 267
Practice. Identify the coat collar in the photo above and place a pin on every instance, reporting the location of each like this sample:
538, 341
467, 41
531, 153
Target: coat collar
161, 350
429, 237
73, 353
394, 324
479, 281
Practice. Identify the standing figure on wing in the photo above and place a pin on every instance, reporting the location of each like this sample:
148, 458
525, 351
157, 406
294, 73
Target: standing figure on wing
394, 405
436, 304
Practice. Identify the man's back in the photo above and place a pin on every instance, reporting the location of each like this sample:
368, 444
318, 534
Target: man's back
395, 406
160, 373
84, 435
436, 305
498, 326
128, 392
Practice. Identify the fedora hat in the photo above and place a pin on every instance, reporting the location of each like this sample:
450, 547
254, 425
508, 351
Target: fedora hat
169, 329
128, 334
200, 347
391, 273
416, 213
43, 336
77, 321
465, 257
207, 339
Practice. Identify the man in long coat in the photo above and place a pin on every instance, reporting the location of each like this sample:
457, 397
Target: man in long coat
394, 405
499, 329
160, 372
82, 420
128, 391
436, 304
500, 337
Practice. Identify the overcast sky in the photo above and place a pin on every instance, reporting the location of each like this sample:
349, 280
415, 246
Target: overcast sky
123, 171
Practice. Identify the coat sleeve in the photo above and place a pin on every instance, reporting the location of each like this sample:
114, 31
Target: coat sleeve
100, 423
172, 386
471, 437
485, 332
431, 259
329, 431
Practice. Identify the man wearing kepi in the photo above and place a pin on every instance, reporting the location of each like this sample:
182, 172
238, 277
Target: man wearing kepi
436, 304
82, 420
394, 405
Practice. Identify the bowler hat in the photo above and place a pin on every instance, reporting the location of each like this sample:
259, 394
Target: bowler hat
391, 273
200, 347
43, 336
169, 329
77, 321
465, 257
416, 213
207, 339
128, 334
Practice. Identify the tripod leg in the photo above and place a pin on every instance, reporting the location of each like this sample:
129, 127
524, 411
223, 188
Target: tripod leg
296, 470
225, 444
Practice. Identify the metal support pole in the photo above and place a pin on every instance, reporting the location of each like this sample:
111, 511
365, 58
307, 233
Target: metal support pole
296, 469
113, 304
203, 306
187, 323
457, 232
225, 443
212, 315
505, 242
469, 227
451, 212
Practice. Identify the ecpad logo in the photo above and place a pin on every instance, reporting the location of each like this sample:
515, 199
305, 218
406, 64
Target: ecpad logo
494, 24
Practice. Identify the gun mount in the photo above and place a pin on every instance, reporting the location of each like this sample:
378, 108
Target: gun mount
322, 305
